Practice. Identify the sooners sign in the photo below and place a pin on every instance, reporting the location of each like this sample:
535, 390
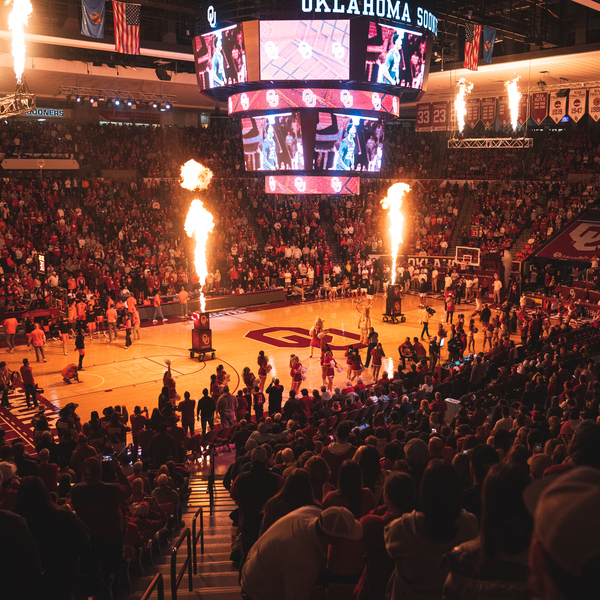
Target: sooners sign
577, 104
558, 107
580, 241
423, 122
539, 106
488, 111
594, 103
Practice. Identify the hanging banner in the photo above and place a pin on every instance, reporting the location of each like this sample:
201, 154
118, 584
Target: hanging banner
594, 103
558, 107
473, 112
539, 106
577, 104
423, 122
503, 110
439, 116
488, 111
523, 106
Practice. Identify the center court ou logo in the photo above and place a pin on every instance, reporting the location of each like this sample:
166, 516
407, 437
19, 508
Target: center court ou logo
309, 98
211, 15
346, 98
272, 98
586, 237
298, 337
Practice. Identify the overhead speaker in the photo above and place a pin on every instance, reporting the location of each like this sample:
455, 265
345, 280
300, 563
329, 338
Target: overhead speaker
162, 74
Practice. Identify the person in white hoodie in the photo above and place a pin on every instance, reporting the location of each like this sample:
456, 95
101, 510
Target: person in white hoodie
417, 541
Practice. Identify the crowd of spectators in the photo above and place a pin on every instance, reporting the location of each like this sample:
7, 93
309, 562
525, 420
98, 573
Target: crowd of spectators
502, 164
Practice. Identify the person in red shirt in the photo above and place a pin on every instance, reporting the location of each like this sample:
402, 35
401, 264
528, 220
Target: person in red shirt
28, 384
38, 339
156, 302
111, 320
10, 328
438, 405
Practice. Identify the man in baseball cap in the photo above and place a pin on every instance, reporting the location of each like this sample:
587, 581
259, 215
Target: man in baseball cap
564, 556
286, 561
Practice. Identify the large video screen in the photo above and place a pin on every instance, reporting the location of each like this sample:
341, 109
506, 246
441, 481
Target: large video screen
304, 50
348, 143
220, 58
395, 56
273, 142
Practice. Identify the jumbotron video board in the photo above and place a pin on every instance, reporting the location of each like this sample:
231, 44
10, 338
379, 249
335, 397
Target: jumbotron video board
313, 82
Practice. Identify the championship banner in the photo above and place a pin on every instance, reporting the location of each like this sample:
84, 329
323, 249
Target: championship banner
523, 106
473, 112
594, 103
423, 122
503, 110
539, 106
577, 104
488, 111
440, 116
580, 241
558, 107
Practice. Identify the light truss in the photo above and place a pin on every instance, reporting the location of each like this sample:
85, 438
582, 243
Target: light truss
104, 94
482, 143
565, 85
18, 103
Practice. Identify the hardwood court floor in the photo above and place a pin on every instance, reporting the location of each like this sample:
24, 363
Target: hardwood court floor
114, 375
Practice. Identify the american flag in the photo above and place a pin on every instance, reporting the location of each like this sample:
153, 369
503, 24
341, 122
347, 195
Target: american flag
472, 39
127, 27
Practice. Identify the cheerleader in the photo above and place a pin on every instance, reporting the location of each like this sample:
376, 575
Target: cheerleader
263, 370
330, 365
324, 349
169, 382
222, 376
315, 331
248, 378
356, 365
377, 355
348, 356
471, 336
295, 373
65, 327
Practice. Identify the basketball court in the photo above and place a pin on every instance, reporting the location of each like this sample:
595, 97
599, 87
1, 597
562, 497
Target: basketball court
114, 375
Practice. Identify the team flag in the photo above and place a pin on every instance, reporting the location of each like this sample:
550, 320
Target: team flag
127, 27
92, 18
472, 39
489, 38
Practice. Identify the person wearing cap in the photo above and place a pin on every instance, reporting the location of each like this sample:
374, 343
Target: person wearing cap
564, 555
286, 561
417, 541
28, 383
250, 491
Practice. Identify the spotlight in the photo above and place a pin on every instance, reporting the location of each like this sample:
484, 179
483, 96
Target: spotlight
117, 102
78, 98
128, 102
167, 106
91, 101
154, 105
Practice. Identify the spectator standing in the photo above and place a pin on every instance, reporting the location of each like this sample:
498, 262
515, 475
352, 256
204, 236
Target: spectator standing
137, 420
186, 408
111, 320
183, 297
275, 392
162, 447
10, 328
28, 384
205, 412
227, 405
156, 302
5, 383
38, 340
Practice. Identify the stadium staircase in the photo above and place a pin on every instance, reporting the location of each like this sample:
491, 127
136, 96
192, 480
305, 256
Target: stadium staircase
439, 159
216, 578
464, 218
332, 241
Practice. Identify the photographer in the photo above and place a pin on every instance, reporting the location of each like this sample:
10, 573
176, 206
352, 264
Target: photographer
426, 313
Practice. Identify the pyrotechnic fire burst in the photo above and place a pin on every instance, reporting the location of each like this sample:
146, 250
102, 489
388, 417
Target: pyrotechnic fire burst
16, 23
460, 104
393, 202
199, 222
514, 96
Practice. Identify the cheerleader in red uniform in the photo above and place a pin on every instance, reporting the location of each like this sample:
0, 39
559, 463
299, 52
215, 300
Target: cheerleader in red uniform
348, 354
330, 365
248, 378
295, 372
315, 330
377, 355
356, 365
263, 369
222, 377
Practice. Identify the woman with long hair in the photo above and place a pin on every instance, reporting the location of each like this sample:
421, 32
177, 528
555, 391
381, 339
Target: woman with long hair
420, 539
471, 336
295, 493
377, 355
348, 354
60, 536
373, 477
330, 364
356, 365
263, 369
295, 373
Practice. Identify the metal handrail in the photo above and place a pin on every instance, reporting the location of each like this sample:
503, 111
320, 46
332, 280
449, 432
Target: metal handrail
157, 581
187, 564
211, 481
195, 536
